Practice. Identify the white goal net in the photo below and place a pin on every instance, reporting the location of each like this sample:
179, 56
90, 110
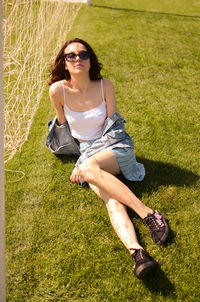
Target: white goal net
33, 33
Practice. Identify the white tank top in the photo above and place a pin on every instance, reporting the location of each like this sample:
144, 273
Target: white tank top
87, 125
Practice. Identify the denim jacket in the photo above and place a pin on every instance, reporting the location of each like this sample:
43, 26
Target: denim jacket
60, 140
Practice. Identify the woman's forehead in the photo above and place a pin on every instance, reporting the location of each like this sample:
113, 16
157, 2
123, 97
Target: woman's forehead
74, 47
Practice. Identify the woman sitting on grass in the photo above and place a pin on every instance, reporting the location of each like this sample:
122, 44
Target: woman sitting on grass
86, 101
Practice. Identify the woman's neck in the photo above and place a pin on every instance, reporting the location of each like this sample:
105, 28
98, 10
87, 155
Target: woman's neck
80, 83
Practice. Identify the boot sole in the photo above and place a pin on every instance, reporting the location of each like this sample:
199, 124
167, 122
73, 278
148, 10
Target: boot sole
145, 269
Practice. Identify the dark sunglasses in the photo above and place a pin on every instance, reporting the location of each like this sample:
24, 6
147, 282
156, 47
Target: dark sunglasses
71, 57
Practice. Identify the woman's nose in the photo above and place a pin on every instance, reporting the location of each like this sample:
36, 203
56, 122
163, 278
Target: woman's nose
77, 58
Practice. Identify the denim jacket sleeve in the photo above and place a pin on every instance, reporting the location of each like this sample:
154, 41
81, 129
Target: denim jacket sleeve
114, 131
60, 141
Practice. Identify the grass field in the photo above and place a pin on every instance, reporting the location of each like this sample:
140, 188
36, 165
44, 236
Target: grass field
60, 243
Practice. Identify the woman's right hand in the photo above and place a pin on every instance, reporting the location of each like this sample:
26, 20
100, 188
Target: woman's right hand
75, 176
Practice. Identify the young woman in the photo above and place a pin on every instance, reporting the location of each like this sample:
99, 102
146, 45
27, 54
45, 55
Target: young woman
86, 101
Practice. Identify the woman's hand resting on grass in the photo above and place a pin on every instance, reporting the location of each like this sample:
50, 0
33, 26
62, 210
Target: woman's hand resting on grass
75, 176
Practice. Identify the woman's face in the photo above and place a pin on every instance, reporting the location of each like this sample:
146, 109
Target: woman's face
74, 63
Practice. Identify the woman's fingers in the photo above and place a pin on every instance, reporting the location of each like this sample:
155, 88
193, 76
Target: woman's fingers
75, 176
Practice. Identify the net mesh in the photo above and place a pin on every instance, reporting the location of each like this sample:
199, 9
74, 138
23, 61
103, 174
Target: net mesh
33, 32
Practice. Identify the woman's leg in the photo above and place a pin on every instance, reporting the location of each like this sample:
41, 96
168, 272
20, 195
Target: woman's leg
120, 220
98, 170
123, 226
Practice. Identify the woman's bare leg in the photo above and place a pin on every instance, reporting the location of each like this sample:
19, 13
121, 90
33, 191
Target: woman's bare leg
120, 220
98, 170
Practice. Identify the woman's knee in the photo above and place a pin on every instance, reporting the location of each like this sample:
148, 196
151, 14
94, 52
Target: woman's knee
115, 206
89, 169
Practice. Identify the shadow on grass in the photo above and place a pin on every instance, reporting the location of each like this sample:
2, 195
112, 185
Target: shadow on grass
67, 158
160, 174
157, 282
144, 11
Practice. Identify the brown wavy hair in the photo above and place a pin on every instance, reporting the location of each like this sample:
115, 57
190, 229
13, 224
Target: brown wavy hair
58, 71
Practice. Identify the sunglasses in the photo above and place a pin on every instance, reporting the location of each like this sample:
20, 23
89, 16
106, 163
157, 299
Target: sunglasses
71, 57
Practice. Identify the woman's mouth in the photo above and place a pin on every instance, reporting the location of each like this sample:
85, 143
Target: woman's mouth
78, 65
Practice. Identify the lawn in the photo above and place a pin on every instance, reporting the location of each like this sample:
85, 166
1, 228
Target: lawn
60, 245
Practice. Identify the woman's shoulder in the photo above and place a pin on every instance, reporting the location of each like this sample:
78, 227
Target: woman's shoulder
107, 83
56, 92
108, 86
55, 88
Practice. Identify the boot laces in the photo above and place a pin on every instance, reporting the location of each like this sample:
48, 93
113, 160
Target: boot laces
155, 222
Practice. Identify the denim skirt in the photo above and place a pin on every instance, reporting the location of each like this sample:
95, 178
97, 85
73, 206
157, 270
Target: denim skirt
130, 168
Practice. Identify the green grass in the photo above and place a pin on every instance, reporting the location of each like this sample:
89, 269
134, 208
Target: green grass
60, 243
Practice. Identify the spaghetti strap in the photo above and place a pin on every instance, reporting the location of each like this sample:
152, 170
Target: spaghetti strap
63, 92
102, 91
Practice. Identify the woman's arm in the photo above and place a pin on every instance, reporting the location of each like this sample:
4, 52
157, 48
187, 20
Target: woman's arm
56, 97
109, 94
